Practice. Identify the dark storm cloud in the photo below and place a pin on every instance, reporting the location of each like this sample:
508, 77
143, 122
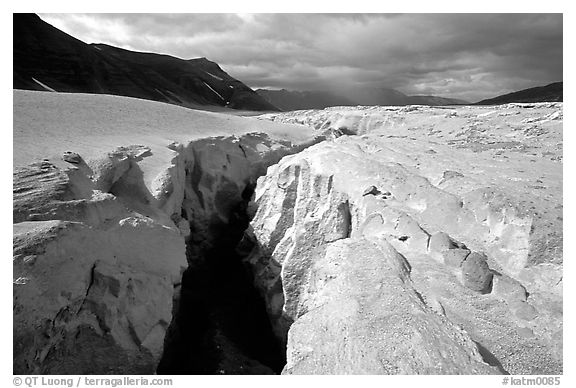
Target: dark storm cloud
469, 56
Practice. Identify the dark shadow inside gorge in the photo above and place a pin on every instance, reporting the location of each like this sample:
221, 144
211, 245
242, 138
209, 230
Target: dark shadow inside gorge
220, 324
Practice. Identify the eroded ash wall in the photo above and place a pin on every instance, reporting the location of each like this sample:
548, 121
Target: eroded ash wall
99, 256
426, 244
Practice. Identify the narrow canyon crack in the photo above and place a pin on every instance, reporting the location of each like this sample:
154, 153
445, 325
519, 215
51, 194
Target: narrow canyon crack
220, 322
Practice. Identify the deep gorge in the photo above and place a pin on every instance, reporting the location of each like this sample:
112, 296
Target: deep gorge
220, 324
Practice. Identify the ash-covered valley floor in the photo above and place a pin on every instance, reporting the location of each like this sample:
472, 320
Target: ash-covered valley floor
370, 240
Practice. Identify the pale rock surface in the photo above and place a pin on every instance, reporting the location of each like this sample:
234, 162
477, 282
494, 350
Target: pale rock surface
105, 190
362, 315
431, 242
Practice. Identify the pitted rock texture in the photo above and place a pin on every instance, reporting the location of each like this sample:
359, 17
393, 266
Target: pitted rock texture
476, 274
364, 316
449, 247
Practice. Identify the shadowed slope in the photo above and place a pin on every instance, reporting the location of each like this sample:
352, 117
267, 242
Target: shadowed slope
548, 93
46, 58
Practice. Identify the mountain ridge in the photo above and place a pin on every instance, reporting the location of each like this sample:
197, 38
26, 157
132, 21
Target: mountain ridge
549, 93
46, 58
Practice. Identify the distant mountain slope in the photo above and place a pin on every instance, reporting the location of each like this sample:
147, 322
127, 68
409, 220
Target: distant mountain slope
295, 100
46, 58
374, 96
549, 93
299, 100
435, 101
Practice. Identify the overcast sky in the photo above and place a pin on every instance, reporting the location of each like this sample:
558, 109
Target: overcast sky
469, 56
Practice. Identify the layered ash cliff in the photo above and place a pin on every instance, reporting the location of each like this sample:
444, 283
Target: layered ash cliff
428, 243
101, 243
413, 240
